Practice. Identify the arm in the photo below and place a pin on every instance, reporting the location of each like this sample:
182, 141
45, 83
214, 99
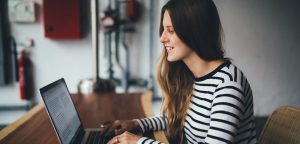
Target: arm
226, 113
145, 140
152, 124
145, 125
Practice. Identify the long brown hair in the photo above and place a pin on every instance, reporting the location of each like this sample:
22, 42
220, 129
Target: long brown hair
197, 24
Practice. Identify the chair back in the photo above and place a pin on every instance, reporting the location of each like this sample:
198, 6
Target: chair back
282, 127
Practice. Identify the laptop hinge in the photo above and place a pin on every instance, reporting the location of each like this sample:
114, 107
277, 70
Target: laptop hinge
77, 138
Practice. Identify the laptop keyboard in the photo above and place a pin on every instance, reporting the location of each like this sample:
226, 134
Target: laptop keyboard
94, 138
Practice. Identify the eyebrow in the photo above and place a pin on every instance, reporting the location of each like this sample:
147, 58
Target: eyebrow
169, 27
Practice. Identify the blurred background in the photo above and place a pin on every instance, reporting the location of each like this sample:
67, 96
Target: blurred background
44, 40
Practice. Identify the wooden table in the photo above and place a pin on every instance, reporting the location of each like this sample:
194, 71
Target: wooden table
93, 109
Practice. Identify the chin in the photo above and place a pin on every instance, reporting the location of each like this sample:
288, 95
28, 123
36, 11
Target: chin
170, 59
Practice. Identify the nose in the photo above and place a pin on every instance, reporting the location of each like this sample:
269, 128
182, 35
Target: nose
163, 38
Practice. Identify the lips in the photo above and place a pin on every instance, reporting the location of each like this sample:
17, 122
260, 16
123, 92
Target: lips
169, 48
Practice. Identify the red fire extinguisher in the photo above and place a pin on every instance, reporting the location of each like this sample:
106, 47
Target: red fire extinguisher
25, 73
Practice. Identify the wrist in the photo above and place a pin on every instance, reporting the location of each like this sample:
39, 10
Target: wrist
137, 126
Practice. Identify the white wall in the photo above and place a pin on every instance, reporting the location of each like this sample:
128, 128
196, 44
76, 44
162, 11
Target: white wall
52, 59
261, 36
73, 59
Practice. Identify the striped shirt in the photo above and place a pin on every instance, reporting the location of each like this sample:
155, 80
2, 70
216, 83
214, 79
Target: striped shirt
220, 111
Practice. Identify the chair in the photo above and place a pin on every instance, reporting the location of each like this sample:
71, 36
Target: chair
282, 127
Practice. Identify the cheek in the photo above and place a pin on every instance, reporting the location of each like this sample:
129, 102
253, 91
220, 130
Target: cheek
183, 51
182, 48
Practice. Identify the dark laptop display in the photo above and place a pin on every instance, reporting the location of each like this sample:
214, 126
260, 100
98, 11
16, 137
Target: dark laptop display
64, 116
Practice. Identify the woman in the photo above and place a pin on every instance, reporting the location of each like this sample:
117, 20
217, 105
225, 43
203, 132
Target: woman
206, 98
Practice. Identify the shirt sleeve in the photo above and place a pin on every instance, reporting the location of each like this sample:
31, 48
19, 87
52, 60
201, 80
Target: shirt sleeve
145, 140
226, 113
152, 123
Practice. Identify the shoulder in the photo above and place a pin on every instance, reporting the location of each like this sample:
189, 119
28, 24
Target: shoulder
231, 75
234, 82
227, 75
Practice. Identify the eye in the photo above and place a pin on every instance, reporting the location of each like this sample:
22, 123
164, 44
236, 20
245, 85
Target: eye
170, 31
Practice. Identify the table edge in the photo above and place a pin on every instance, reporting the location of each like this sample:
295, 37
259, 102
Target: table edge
13, 126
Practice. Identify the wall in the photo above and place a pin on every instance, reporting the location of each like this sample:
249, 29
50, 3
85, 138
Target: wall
73, 59
261, 36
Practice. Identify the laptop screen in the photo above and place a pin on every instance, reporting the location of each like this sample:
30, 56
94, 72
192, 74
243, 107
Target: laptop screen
61, 110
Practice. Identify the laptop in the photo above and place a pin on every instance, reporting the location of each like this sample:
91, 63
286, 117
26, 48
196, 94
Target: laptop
64, 116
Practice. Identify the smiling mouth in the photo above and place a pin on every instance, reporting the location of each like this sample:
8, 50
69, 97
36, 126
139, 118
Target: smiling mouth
168, 48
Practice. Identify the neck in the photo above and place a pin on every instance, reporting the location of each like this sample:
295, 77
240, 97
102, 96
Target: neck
200, 67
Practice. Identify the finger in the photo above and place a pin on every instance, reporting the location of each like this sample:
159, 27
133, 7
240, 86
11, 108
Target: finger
105, 127
103, 130
119, 131
128, 134
124, 137
114, 140
128, 137
112, 128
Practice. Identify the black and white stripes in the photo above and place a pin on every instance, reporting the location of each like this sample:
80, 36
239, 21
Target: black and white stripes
221, 110
152, 124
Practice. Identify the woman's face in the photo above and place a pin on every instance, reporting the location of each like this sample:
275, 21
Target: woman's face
175, 48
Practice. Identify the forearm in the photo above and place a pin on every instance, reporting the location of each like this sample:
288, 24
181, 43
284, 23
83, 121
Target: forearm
152, 124
145, 140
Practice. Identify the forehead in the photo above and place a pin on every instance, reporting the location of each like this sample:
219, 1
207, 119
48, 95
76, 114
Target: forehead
167, 19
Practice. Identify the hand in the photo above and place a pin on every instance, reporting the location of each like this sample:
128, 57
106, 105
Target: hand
119, 126
125, 138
